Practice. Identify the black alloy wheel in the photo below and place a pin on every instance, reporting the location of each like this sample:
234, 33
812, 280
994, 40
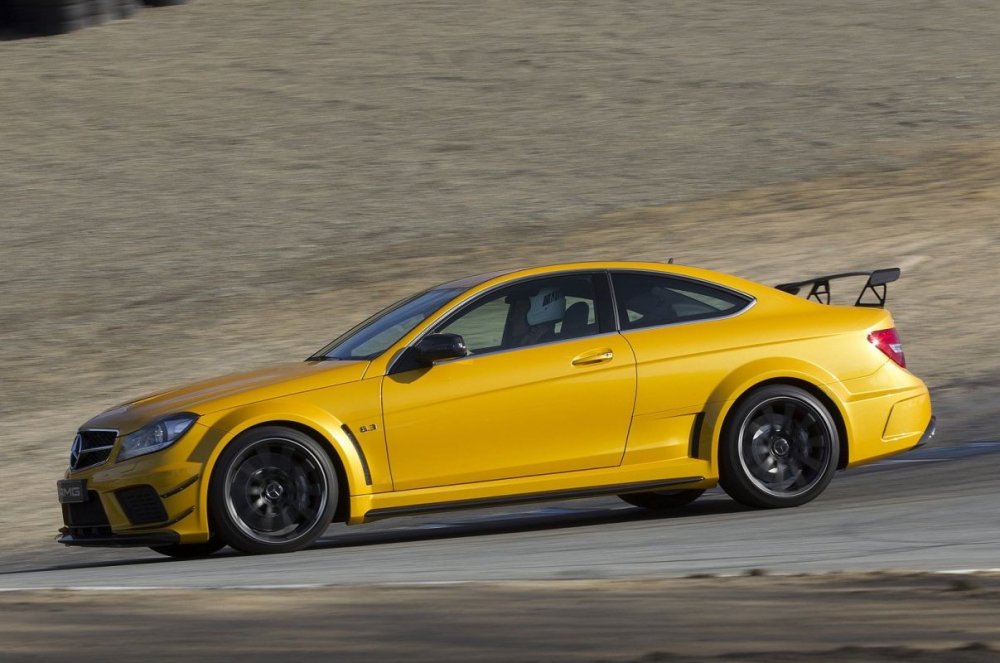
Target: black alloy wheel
274, 490
780, 448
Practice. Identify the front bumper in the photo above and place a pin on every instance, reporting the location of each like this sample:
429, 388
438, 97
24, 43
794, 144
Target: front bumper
71, 537
156, 499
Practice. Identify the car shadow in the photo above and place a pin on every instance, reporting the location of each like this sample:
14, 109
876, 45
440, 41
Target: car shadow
550, 517
545, 518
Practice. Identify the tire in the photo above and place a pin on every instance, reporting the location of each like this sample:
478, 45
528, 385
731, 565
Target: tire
163, 3
780, 448
100, 11
125, 8
190, 550
662, 501
273, 490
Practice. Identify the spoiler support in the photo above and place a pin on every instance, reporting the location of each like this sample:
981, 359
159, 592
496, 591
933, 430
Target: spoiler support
820, 286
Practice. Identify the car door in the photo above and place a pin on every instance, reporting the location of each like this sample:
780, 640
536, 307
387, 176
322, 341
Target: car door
548, 387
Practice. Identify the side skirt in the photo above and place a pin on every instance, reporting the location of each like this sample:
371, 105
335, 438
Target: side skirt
576, 493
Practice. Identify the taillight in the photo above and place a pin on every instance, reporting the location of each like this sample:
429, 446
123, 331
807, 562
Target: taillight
887, 340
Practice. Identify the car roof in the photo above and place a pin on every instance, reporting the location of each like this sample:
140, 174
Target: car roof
467, 282
490, 279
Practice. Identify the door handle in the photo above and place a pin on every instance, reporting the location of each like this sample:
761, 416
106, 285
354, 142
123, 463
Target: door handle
593, 357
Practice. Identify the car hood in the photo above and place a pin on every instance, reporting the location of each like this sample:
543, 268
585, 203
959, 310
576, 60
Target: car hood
229, 391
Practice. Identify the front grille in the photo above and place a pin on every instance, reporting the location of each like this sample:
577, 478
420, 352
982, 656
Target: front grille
141, 505
91, 447
85, 514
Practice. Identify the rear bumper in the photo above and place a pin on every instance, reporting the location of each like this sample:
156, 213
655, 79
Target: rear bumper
886, 413
929, 433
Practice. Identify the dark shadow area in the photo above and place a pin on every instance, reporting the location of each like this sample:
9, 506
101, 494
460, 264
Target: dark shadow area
484, 525
106, 564
7, 31
551, 516
21, 20
518, 523
15, 35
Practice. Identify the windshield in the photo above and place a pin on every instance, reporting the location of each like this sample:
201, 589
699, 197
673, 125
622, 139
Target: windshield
379, 332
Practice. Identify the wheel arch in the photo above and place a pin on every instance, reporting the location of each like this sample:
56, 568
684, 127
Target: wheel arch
325, 430
828, 402
742, 382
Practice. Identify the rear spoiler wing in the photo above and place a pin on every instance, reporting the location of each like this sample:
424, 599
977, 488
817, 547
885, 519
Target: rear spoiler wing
820, 286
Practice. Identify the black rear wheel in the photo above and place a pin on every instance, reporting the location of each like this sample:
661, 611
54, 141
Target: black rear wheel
780, 448
125, 8
273, 490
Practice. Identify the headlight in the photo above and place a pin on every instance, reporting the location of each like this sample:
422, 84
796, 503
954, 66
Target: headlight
155, 436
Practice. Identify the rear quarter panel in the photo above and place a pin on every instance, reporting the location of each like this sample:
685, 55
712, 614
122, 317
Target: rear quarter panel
686, 366
705, 366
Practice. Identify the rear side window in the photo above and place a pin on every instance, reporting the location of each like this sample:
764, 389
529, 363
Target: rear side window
647, 300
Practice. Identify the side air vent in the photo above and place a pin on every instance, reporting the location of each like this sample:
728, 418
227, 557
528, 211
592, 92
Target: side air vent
141, 505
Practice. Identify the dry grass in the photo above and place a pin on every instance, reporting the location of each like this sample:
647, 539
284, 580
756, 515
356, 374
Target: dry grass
229, 183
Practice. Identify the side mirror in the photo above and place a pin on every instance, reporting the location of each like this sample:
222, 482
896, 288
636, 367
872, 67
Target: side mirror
426, 351
436, 347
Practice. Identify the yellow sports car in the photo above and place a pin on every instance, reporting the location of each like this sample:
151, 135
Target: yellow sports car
649, 381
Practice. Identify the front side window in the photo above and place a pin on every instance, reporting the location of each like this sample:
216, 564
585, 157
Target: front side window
647, 300
527, 313
380, 332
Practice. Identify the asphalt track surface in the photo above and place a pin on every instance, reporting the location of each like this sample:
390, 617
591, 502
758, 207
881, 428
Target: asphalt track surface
933, 509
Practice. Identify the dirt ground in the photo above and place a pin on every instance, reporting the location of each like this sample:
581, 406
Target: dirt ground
228, 184
837, 618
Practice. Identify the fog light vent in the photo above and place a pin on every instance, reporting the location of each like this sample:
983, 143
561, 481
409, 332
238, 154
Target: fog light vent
141, 505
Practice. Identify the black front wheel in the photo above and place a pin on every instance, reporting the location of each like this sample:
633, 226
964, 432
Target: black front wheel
273, 490
779, 448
